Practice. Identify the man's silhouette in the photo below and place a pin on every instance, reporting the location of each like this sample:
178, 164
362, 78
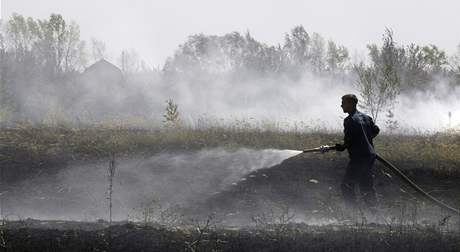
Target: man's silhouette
359, 131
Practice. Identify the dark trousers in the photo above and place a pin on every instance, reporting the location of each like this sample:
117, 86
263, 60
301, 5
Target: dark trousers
359, 172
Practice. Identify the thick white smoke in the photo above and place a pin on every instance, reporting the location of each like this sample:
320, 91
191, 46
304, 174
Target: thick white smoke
429, 111
307, 103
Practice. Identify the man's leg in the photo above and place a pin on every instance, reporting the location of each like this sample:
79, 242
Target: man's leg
348, 186
366, 184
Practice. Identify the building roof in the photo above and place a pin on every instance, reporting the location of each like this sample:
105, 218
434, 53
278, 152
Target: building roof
103, 71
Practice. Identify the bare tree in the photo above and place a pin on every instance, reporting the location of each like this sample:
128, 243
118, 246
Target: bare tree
111, 175
378, 88
318, 53
297, 46
98, 50
53, 43
129, 61
336, 57
379, 83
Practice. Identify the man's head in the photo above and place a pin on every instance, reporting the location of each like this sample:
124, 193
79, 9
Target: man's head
349, 102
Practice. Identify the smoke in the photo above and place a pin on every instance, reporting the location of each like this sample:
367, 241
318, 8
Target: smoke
78, 192
219, 88
313, 102
307, 103
429, 111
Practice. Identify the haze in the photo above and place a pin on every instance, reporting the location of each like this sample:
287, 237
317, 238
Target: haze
156, 28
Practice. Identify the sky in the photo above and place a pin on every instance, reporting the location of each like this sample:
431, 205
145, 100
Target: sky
155, 28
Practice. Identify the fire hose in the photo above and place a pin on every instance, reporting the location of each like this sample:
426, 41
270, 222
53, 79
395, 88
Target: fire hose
401, 175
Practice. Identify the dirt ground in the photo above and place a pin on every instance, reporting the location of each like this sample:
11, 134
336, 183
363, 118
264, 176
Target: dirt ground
293, 206
30, 235
308, 187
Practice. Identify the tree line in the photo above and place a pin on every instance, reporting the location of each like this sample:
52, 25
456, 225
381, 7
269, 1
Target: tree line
50, 53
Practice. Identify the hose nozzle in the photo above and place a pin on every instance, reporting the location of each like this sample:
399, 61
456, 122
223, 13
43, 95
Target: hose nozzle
323, 149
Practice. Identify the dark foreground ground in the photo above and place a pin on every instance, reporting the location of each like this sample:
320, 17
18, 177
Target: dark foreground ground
306, 188
267, 205
33, 235
263, 204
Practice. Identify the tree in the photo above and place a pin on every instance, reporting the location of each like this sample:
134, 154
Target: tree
6, 102
58, 45
297, 46
255, 55
336, 57
233, 47
378, 88
36, 53
415, 76
454, 64
98, 50
20, 36
129, 61
19, 42
171, 116
317, 54
435, 58
421, 66
379, 83
191, 58
204, 56
74, 50
455, 60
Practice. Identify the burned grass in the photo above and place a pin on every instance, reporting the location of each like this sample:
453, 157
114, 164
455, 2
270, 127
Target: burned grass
303, 183
307, 188
293, 237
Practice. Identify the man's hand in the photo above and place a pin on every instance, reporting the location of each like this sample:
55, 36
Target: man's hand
339, 147
324, 148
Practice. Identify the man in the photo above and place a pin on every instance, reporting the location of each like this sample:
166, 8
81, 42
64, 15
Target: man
359, 131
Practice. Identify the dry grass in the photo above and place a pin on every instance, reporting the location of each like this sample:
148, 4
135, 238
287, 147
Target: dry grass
295, 237
42, 145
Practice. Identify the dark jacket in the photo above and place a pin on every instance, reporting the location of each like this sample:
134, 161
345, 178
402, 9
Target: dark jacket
359, 130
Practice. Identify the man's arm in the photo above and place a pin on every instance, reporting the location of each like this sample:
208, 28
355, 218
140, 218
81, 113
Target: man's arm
375, 129
347, 130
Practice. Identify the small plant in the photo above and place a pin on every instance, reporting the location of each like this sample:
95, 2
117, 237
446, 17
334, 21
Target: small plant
276, 219
171, 116
3, 244
201, 234
111, 175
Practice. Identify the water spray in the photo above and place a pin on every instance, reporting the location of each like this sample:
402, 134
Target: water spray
395, 170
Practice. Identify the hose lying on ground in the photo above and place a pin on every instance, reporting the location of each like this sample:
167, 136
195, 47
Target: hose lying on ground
416, 187
402, 176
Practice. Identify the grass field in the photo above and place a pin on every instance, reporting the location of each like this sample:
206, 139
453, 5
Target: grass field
41, 146
27, 149
39, 236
